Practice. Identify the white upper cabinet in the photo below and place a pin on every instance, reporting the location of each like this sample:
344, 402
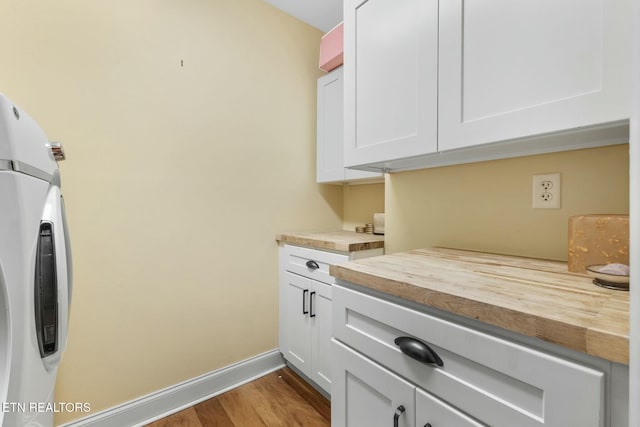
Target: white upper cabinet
511, 69
330, 133
391, 70
430, 83
330, 157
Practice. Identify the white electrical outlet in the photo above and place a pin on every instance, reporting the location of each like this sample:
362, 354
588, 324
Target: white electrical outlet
546, 191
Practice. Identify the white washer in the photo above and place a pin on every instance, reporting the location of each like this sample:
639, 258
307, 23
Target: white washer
35, 271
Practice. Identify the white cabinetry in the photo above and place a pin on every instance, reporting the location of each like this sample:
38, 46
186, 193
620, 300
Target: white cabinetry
372, 394
431, 411
429, 83
305, 309
513, 69
330, 133
483, 379
376, 397
307, 320
391, 90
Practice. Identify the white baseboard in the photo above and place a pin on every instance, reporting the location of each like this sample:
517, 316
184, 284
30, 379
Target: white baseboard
172, 399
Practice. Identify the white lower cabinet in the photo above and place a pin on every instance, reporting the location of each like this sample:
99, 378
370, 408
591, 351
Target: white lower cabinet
320, 299
305, 323
446, 374
366, 394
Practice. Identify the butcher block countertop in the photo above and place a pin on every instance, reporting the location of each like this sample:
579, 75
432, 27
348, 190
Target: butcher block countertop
345, 241
532, 297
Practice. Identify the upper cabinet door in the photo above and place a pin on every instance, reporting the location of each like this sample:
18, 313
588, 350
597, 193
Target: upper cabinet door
330, 137
511, 69
390, 79
330, 148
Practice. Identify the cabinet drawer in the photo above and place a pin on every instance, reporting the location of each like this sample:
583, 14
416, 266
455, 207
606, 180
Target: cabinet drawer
494, 380
298, 260
433, 411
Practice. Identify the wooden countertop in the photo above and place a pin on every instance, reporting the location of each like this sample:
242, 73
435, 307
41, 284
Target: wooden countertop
345, 241
532, 297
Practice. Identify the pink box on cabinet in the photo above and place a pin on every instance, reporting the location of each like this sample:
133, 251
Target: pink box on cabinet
331, 48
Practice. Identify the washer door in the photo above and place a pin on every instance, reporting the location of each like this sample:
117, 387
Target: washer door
52, 280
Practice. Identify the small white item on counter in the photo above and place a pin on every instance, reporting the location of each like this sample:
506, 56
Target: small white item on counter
378, 223
617, 269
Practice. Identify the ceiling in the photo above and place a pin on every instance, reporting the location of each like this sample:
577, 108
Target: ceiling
322, 14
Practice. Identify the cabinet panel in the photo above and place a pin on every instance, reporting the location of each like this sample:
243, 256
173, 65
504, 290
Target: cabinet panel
330, 132
390, 76
295, 323
516, 69
494, 380
320, 306
619, 395
365, 394
432, 410
306, 323
296, 259
305, 309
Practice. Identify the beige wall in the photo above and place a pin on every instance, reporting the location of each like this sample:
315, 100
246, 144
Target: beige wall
487, 206
177, 179
360, 203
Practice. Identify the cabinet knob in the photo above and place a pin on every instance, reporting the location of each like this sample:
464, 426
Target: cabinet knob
396, 416
312, 265
418, 350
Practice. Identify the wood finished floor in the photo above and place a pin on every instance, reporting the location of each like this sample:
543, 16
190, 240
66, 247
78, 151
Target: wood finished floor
280, 398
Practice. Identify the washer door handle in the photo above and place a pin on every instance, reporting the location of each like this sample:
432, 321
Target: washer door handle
46, 291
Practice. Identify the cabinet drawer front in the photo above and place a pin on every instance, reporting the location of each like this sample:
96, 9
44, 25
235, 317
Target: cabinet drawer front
494, 380
434, 411
296, 259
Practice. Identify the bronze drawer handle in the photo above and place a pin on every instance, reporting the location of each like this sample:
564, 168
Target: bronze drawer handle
311, 313
304, 299
312, 265
418, 350
396, 416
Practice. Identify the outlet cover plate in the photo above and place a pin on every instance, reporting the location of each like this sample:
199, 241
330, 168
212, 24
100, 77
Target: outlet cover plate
546, 191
